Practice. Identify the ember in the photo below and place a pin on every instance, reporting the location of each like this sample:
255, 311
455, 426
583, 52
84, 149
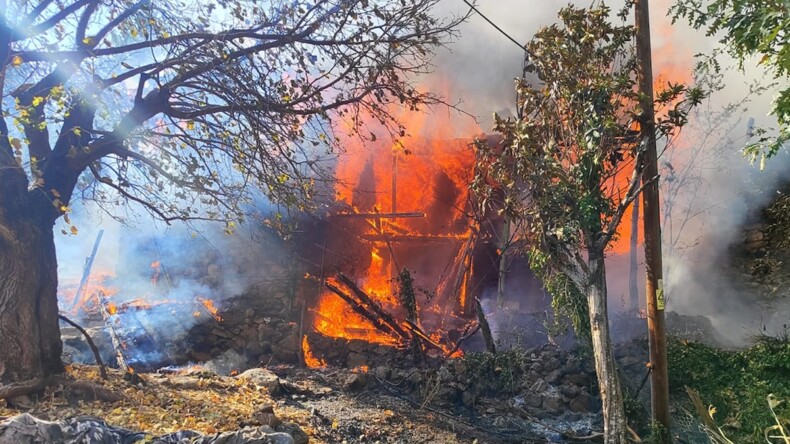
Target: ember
208, 304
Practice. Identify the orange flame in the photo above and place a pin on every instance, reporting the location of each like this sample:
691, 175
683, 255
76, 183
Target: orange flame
208, 304
426, 175
155, 272
309, 359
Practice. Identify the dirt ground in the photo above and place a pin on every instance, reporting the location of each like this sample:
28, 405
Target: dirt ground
330, 406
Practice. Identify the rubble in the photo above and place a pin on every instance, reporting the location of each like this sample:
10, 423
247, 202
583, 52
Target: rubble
26, 428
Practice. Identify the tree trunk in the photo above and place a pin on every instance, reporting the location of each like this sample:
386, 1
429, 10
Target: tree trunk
615, 430
30, 346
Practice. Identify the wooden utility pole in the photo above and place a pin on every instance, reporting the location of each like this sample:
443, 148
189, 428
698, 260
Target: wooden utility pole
659, 384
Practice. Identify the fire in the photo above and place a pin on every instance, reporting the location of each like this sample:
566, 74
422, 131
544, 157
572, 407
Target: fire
98, 281
208, 304
155, 272
309, 359
419, 187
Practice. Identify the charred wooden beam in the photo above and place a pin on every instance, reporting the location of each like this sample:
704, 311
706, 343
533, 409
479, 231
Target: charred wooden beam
359, 308
86, 272
413, 238
412, 215
417, 331
372, 305
110, 319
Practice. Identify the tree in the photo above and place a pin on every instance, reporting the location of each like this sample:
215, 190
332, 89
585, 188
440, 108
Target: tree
179, 107
570, 165
749, 28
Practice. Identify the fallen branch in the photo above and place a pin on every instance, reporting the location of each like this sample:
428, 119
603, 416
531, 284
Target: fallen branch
94, 349
82, 389
24, 387
417, 331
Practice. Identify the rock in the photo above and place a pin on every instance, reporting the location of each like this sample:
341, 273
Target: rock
580, 404
355, 360
540, 386
444, 375
382, 372
26, 428
551, 364
468, 398
578, 379
357, 346
265, 332
554, 377
253, 348
183, 382
287, 349
295, 432
553, 403
265, 416
263, 378
533, 400
355, 382
570, 390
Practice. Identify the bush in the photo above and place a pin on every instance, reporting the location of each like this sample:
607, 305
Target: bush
736, 382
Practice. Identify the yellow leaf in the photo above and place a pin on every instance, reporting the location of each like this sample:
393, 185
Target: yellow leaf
37, 100
74, 230
87, 40
16, 61
190, 125
77, 132
133, 32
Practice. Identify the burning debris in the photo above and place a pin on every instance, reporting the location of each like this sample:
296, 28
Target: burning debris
401, 250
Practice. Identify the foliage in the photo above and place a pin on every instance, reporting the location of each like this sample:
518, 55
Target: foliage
749, 28
569, 165
567, 301
778, 218
737, 382
179, 106
498, 372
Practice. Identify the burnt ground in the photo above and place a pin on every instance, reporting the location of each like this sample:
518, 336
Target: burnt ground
330, 406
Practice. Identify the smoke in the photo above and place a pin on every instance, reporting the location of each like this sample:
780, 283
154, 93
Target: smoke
160, 280
706, 214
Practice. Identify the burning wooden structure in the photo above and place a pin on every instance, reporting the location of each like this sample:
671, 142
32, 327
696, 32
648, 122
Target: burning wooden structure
408, 211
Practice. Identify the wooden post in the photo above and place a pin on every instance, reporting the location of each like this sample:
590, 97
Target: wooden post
659, 384
86, 271
633, 264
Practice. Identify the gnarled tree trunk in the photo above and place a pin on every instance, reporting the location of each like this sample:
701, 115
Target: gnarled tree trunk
615, 426
30, 345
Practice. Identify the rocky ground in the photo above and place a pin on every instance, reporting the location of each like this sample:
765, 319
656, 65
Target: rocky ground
538, 395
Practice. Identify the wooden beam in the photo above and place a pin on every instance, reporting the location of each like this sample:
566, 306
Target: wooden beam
412, 215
